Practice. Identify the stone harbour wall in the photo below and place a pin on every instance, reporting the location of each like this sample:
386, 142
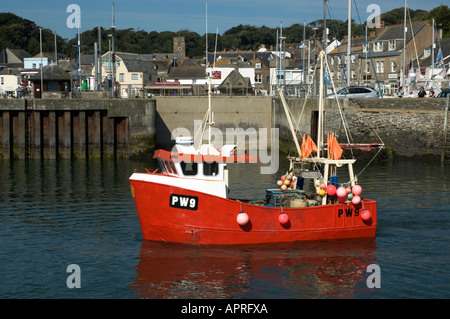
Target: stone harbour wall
128, 128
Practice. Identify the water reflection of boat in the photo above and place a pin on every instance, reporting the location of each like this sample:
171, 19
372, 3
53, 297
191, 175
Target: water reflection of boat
313, 269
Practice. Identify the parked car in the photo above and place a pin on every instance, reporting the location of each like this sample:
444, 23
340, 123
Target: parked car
356, 92
444, 93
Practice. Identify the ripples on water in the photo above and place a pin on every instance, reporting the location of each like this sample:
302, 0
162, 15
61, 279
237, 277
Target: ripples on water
56, 213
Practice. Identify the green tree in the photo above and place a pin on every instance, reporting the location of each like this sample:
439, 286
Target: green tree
441, 15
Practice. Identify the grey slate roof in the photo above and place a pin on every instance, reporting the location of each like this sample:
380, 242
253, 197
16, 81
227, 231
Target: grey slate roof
136, 62
247, 56
444, 44
396, 31
10, 71
52, 72
187, 72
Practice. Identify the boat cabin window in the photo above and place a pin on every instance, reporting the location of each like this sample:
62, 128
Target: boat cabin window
171, 167
189, 168
167, 166
210, 169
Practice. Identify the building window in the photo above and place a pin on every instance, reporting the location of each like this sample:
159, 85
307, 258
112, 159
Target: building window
393, 65
378, 46
34, 66
365, 46
258, 78
189, 168
258, 65
2, 80
134, 76
380, 66
391, 45
121, 77
210, 169
353, 74
332, 61
367, 67
52, 86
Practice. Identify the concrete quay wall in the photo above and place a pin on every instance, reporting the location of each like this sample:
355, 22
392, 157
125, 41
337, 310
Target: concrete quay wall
408, 126
127, 128
76, 128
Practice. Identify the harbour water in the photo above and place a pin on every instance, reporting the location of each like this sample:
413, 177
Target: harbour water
57, 213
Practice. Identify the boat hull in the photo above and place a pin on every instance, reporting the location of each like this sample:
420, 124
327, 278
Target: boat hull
174, 214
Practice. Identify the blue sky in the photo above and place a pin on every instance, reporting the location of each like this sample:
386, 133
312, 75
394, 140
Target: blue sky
174, 15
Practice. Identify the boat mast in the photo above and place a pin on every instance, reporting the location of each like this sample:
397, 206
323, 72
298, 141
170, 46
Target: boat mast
208, 75
403, 75
320, 126
432, 52
349, 43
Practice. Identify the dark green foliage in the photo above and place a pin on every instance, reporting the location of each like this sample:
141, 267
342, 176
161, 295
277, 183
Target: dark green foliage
19, 33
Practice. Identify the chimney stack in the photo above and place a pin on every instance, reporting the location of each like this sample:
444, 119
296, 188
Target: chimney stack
378, 30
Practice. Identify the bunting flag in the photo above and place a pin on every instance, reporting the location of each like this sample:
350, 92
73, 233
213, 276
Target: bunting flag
312, 146
439, 59
308, 146
304, 150
333, 147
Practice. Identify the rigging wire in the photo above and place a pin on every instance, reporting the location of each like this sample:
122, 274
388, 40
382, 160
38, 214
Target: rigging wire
339, 51
370, 55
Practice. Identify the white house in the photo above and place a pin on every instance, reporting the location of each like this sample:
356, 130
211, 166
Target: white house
10, 80
35, 62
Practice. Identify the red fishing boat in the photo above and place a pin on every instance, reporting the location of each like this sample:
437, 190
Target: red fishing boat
185, 200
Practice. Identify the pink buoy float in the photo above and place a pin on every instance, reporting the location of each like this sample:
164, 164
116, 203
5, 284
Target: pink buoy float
242, 218
357, 190
356, 200
331, 190
366, 215
341, 192
283, 218
342, 199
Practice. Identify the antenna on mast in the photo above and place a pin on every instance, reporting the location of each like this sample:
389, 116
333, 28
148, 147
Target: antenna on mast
206, 35
113, 52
